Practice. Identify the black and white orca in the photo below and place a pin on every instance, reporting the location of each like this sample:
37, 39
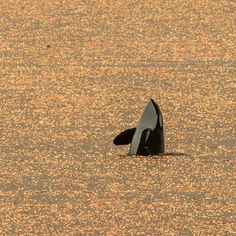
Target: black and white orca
148, 137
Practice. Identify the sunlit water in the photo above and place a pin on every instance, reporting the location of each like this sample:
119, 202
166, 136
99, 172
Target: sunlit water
61, 106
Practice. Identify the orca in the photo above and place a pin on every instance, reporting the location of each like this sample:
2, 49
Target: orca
148, 137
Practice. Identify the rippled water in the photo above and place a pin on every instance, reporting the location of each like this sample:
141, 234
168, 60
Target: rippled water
74, 75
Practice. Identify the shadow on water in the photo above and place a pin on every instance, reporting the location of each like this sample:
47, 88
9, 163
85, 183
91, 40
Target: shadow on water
172, 154
159, 156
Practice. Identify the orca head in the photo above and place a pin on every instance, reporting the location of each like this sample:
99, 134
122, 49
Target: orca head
148, 137
152, 121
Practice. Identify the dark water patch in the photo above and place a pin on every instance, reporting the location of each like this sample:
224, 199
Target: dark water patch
159, 156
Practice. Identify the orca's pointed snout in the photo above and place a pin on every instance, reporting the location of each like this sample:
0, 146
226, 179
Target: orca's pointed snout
156, 107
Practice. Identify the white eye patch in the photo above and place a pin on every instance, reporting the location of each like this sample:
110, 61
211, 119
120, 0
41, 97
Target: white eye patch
147, 135
160, 120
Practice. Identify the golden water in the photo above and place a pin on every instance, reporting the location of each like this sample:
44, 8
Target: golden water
75, 74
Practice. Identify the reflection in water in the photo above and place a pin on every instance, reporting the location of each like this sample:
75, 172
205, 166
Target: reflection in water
159, 156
